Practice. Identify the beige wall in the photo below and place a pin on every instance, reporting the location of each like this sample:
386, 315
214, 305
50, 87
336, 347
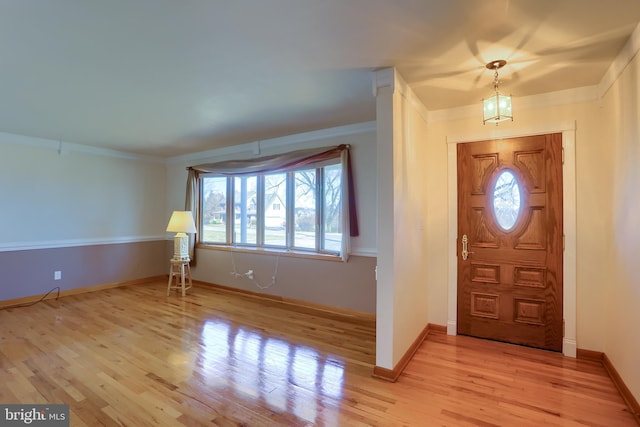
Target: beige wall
620, 146
608, 205
592, 170
402, 208
590, 221
349, 286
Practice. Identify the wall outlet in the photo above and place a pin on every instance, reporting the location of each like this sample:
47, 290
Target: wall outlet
57, 275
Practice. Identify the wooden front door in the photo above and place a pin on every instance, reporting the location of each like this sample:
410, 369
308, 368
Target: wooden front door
510, 223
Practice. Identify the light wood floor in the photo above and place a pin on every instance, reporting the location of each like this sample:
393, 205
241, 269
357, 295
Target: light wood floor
133, 356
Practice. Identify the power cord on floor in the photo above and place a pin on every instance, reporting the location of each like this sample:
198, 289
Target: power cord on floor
29, 304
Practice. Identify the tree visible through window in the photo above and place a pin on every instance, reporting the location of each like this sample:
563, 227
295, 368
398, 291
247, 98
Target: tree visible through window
299, 210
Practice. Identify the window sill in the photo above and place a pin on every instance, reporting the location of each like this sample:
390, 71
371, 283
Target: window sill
271, 251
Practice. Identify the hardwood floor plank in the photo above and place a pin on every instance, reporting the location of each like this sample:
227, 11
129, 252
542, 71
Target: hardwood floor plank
133, 356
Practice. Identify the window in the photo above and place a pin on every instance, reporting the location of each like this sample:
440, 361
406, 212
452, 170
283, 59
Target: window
214, 210
299, 210
506, 200
275, 218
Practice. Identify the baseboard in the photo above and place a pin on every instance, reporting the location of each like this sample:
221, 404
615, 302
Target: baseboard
353, 314
593, 356
629, 399
392, 375
51, 295
600, 357
440, 329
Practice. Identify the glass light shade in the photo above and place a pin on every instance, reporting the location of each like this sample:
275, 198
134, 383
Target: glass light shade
497, 108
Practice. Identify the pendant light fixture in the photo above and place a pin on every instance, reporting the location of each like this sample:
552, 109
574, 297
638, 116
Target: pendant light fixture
496, 108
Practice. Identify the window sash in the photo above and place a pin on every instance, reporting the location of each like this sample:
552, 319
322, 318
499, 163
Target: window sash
286, 163
233, 229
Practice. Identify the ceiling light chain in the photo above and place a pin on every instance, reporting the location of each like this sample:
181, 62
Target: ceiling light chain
496, 108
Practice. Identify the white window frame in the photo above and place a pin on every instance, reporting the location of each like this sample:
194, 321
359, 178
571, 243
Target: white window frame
289, 246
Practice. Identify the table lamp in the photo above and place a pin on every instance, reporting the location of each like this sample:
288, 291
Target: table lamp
181, 222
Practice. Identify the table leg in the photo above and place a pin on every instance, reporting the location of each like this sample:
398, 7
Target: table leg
170, 280
182, 277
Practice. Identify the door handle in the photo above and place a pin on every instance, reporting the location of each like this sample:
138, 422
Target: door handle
465, 252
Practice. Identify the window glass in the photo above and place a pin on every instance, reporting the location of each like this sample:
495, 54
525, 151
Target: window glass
332, 208
214, 209
506, 200
295, 210
305, 209
245, 212
275, 212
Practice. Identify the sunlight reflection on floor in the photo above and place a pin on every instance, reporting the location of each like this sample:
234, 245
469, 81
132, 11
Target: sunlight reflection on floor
269, 369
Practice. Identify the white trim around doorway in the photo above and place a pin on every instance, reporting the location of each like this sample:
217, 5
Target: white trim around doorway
568, 130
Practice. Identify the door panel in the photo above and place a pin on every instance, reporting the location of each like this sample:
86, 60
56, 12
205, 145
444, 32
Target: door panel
510, 209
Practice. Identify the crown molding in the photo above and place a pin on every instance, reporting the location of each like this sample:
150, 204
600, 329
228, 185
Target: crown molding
384, 77
549, 99
617, 67
65, 148
256, 147
389, 77
562, 97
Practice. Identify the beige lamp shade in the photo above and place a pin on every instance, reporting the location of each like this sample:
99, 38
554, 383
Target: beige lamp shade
181, 222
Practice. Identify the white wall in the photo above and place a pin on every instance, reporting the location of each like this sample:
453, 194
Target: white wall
402, 210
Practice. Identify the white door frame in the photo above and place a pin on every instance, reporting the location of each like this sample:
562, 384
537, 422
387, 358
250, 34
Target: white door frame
568, 130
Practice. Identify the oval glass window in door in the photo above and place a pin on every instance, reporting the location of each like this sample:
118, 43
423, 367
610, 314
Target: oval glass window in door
506, 200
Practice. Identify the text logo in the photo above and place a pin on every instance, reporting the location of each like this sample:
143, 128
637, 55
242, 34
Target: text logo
34, 415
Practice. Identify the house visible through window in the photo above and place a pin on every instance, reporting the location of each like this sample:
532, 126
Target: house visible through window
298, 210
294, 202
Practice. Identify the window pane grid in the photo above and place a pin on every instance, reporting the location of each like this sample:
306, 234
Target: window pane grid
214, 210
245, 210
332, 209
275, 210
305, 209
297, 210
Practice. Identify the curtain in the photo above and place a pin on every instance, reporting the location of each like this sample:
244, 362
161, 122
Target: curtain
271, 164
294, 160
345, 213
191, 204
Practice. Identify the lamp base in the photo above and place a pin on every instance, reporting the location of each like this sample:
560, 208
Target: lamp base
181, 246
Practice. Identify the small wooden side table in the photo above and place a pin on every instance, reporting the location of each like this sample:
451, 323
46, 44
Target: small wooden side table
180, 269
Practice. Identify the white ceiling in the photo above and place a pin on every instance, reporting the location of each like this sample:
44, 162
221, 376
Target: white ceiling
169, 77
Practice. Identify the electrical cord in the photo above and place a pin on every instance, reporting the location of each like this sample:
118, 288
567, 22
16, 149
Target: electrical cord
29, 304
249, 274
